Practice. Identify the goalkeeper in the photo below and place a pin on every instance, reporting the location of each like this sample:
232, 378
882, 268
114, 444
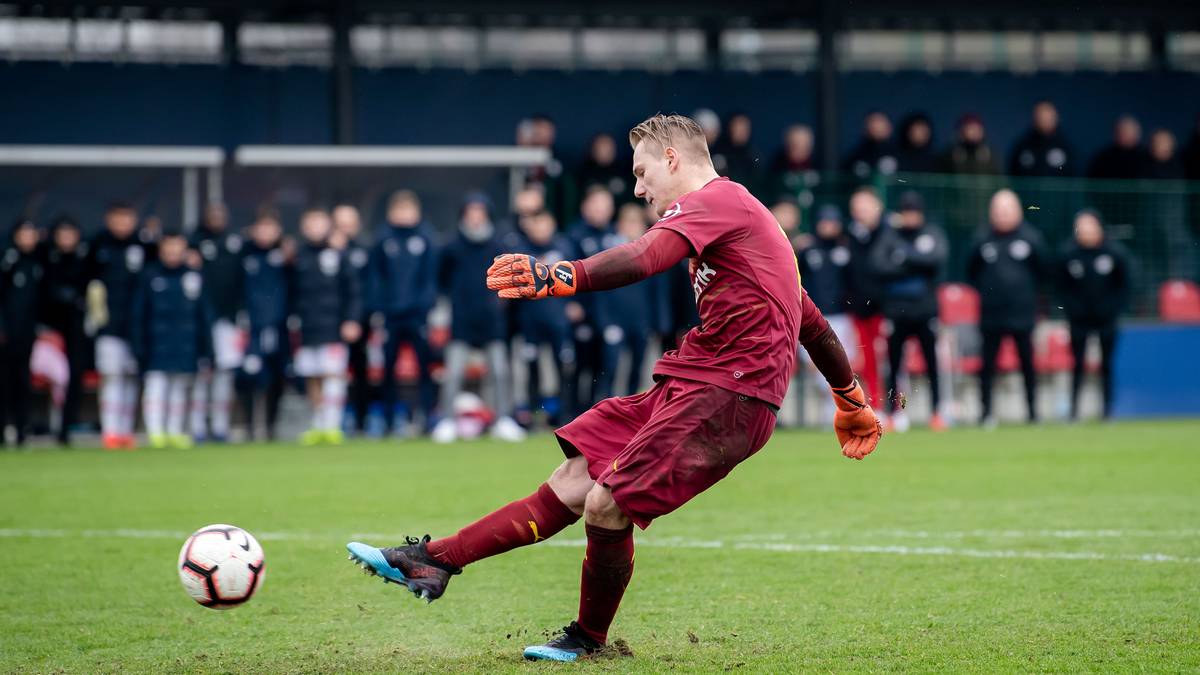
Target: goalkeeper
633, 459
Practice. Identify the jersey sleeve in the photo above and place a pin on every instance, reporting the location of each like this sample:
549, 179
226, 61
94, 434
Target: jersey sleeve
703, 219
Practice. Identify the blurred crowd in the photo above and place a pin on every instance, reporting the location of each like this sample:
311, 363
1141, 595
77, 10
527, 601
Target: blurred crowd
195, 329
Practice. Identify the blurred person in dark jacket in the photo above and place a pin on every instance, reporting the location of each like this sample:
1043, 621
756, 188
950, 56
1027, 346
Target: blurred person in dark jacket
738, 156
403, 267
864, 293
346, 237
1124, 158
1164, 163
909, 260
596, 349
539, 131
970, 152
545, 322
325, 297
875, 152
1094, 280
265, 297
1042, 150
171, 333
65, 307
1191, 154
115, 260
915, 150
22, 295
220, 251
602, 168
630, 316
794, 171
1006, 265
477, 321
1166, 207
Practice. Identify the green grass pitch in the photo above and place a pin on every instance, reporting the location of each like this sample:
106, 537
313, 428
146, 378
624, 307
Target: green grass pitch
1062, 548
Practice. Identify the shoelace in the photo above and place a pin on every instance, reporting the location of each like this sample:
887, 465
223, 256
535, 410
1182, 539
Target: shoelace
413, 541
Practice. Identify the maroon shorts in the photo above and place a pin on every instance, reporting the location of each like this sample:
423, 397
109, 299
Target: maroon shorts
658, 449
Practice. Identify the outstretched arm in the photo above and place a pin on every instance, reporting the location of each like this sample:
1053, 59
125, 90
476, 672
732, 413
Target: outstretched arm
858, 429
517, 275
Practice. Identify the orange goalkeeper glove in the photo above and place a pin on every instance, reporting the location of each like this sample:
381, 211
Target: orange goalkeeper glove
517, 275
858, 429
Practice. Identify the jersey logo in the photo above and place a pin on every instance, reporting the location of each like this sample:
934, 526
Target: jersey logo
675, 210
702, 278
536, 537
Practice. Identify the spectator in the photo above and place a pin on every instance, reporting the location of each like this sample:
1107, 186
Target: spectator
602, 168
1005, 266
787, 212
1124, 157
115, 260
1094, 279
1191, 154
539, 131
863, 292
171, 324
22, 290
740, 159
793, 171
824, 261
347, 233
265, 297
477, 320
1042, 150
529, 200
916, 153
970, 153
1163, 162
65, 305
631, 321
875, 152
597, 348
710, 124
404, 271
212, 392
910, 260
325, 297
545, 322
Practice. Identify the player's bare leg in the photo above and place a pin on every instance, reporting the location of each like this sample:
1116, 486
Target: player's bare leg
425, 566
607, 568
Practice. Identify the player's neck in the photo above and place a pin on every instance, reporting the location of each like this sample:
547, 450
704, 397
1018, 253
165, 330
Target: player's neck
698, 178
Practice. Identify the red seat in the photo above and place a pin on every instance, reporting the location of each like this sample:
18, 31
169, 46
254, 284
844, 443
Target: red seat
958, 305
1055, 355
1007, 360
1179, 301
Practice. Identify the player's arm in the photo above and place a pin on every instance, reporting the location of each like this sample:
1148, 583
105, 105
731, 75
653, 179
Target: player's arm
517, 275
858, 429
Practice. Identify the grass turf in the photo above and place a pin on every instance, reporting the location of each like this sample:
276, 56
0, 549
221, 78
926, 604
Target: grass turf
1024, 549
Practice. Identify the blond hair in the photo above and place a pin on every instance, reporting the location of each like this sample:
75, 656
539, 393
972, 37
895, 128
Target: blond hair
676, 131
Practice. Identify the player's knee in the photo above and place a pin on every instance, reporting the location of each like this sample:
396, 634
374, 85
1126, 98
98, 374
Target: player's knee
571, 483
600, 509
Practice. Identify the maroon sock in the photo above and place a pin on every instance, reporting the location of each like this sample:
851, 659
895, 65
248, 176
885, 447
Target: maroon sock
607, 567
539, 516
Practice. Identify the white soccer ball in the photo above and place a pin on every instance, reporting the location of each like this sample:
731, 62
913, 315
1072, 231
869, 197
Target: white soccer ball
221, 566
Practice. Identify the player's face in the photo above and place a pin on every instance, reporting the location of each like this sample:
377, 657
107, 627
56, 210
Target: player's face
171, 251
1045, 118
539, 228
866, 209
631, 223
655, 173
26, 237
1088, 232
346, 221
66, 238
597, 209
829, 228
1005, 212
216, 217
912, 218
266, 232
120, 222
788, 216
315, 226
404, 213
919, 134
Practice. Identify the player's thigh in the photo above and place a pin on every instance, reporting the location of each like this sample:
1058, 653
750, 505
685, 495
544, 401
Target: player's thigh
690, 442
602, 432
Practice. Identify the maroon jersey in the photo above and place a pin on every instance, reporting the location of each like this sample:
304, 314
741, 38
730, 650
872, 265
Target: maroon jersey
747, 288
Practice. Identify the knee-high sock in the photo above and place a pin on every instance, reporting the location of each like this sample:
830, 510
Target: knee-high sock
129, 389
607, 568
154, 403
526, 521
112, 399
177, 403
333, 402
199, 416
222, 399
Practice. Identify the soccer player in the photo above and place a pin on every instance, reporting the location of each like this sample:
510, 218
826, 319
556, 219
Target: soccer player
22, 291
212, 392
325, 296
265, 295
632, 459
170, 333
115, 259
347, 228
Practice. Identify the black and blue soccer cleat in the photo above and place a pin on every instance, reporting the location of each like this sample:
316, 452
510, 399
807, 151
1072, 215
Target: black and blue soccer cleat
572, 645
410, 566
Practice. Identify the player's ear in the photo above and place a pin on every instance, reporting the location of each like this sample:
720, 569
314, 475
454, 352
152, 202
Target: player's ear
672, 156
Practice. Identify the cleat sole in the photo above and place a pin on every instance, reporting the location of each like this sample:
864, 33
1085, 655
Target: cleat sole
544, 653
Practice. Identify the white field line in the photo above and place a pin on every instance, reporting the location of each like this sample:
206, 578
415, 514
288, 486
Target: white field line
772, 543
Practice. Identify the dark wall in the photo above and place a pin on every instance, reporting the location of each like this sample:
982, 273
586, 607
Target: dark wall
106, 103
